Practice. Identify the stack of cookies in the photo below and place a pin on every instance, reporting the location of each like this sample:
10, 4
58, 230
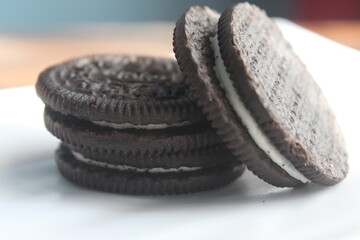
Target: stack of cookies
136, 124
128, 124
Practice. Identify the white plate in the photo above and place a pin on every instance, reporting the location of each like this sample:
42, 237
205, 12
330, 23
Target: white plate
37, 203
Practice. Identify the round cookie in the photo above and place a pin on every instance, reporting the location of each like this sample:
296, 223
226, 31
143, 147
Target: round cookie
259, 96
189, 146
112, 178
129, 125
120, 91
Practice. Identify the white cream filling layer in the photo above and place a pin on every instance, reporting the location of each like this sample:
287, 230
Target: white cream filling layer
148, 126
81, 158
260, 139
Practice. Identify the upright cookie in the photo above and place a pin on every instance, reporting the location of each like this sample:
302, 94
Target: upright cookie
259, 96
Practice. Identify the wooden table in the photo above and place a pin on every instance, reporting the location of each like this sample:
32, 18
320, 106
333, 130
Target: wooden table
22, 57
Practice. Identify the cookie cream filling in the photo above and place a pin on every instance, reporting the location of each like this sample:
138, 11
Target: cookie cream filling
83, 159
260, 139
132, 126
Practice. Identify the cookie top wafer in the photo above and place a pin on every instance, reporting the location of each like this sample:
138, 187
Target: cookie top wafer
259, 96
127, 90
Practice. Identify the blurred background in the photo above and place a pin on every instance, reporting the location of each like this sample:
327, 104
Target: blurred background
37, 33
39, 15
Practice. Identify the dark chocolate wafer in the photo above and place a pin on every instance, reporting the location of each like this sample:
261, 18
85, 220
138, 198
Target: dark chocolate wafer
118, 89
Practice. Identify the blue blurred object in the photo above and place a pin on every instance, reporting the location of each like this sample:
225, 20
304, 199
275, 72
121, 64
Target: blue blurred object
37, 15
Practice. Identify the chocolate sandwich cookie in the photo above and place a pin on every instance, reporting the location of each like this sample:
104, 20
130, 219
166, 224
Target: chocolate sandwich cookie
259, 96
143, 181
128, 124
188, 146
